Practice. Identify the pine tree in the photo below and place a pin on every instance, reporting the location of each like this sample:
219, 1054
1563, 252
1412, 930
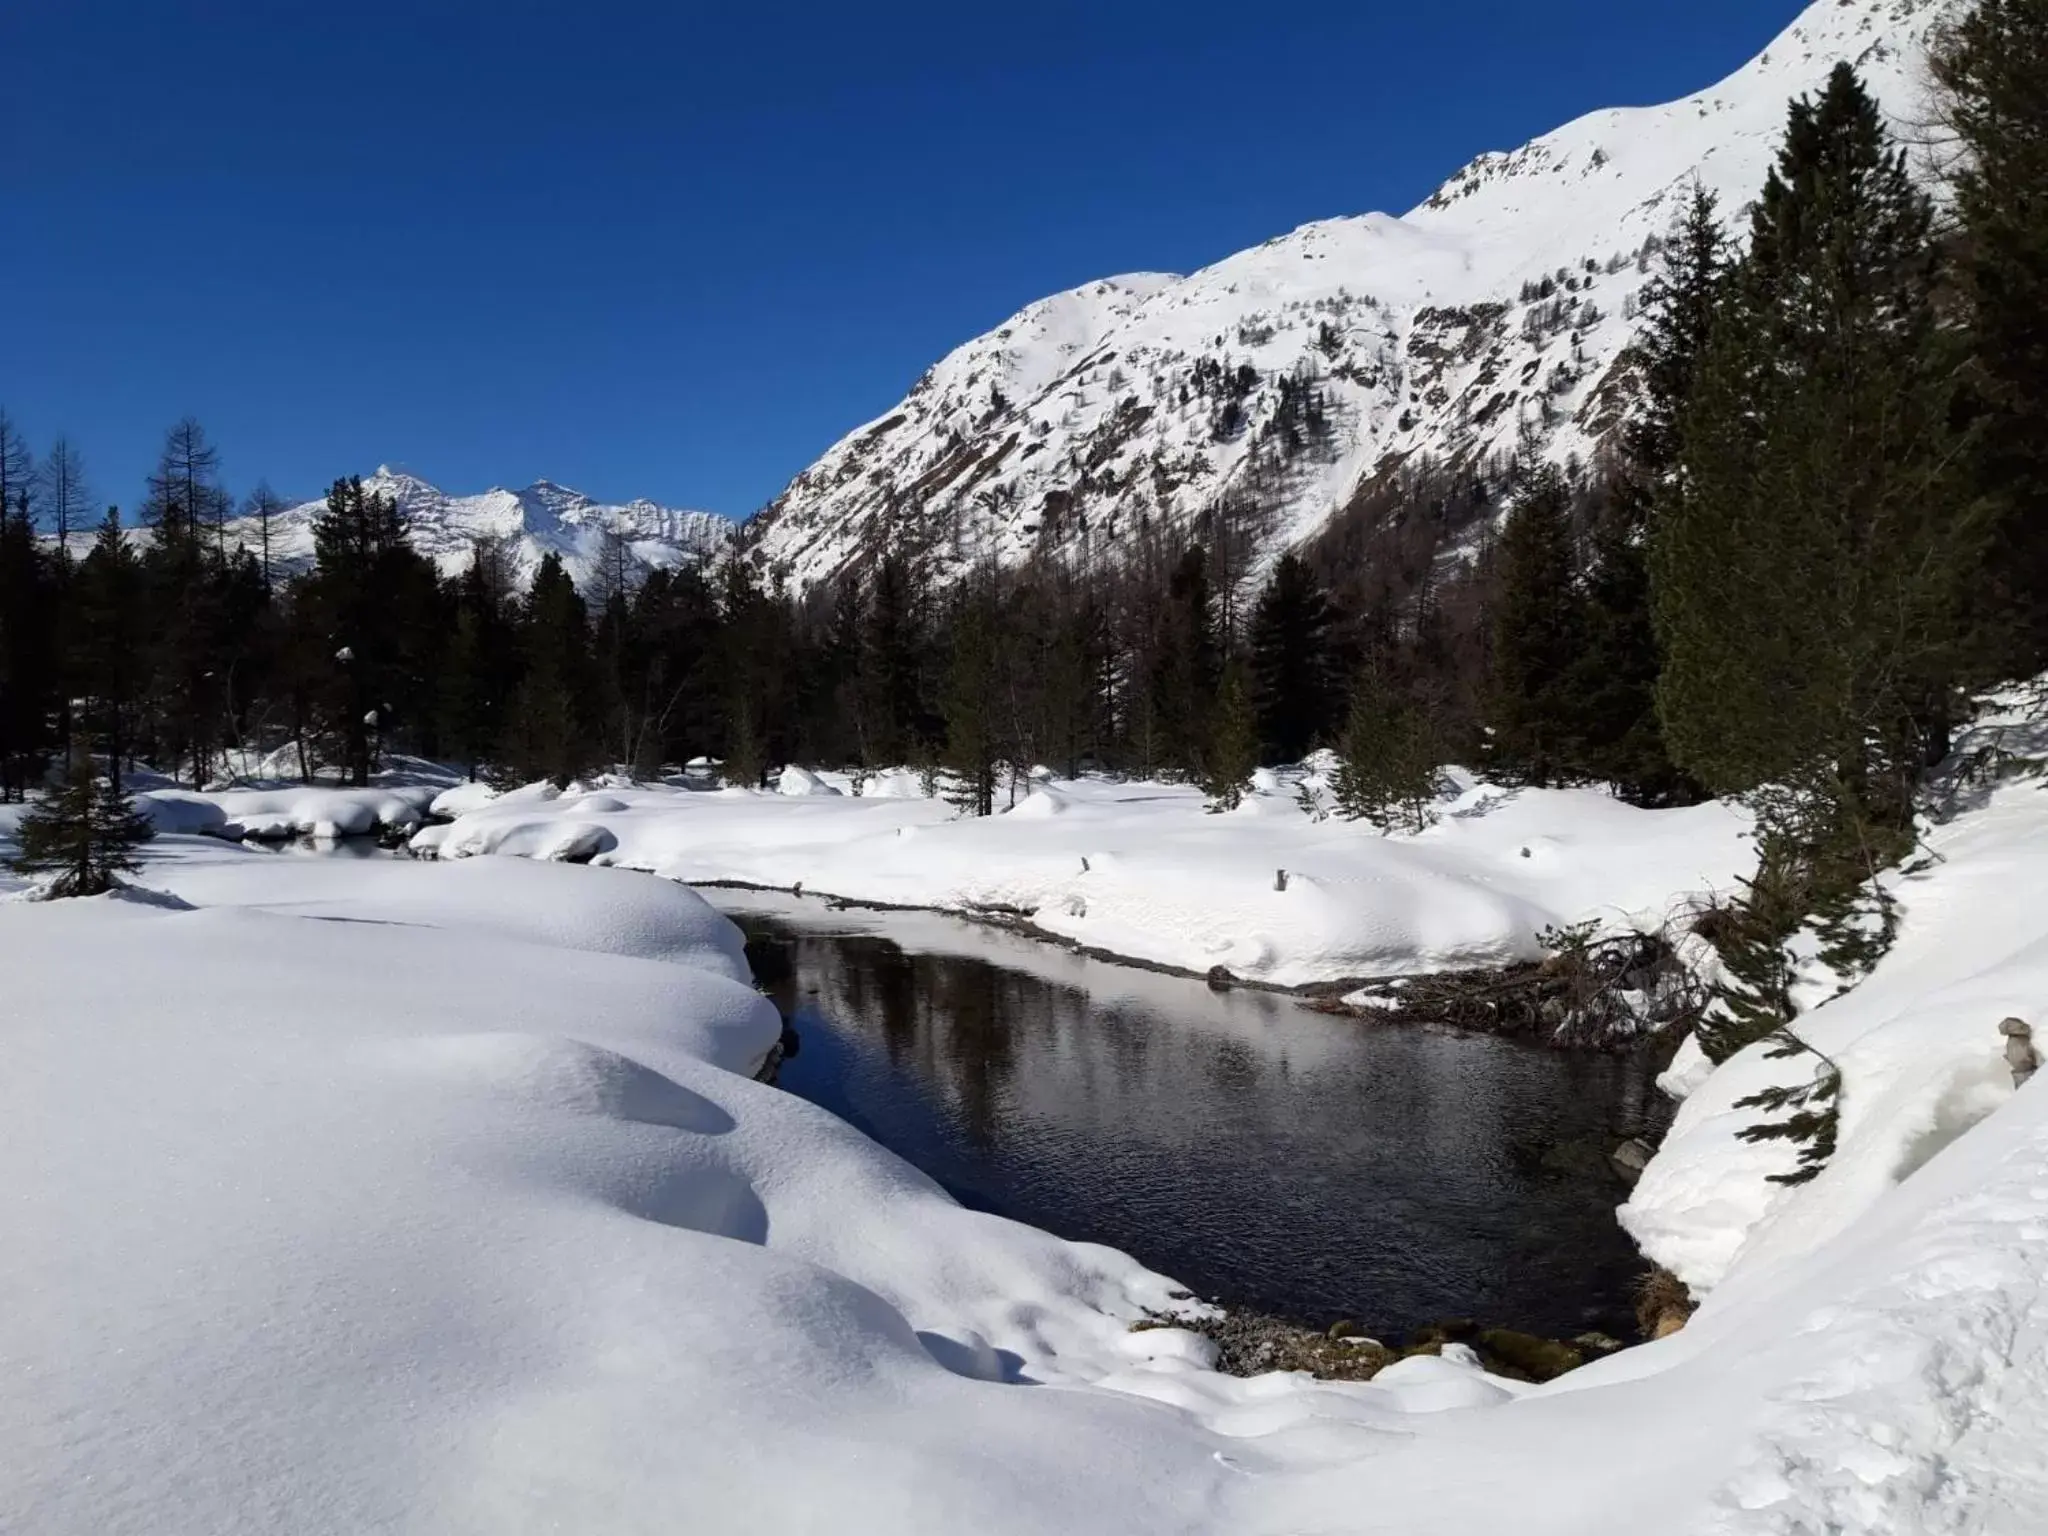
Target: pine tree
262, 508
17, 465
1233, 752
1185, 662
1992, 70
1389, 759
85, 834
375, 601
551, 734
65, 497
109, 655
1620, 737
1538, 634
30, 594
746, 759
1813, 551
1292, 662
974, 734
892, 708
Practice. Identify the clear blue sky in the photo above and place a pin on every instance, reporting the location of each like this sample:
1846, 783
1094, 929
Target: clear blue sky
674, 249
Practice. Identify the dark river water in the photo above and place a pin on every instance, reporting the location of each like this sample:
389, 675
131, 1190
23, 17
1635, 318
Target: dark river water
1263, 1155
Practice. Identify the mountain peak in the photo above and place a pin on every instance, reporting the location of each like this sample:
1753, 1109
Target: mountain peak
1278, 381
546, 518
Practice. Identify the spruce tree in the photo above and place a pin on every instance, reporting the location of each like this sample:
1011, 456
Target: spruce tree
974, 735
1185, 662
551, 732
1812, 552
84, 833
1992, 69
1538, 633
1389, 759
30, 676
1620, 737
1233, 750
1292, 662
109, 652
374, 600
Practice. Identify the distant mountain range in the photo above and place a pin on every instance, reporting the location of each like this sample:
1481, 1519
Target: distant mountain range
1282, 382
542, 519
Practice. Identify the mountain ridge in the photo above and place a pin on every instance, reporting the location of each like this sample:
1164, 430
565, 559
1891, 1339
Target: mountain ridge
531, 523
1276, 383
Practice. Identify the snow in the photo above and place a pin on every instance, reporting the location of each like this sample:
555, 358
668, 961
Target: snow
1416, 327
543, 518
1140, 870
438, 1196
1919, 1049
299, 811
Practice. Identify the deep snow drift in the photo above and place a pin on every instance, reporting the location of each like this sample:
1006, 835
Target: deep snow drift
1141, 871
438, 1197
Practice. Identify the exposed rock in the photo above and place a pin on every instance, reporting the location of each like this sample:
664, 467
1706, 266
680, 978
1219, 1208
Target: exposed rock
1663, 1304
1250, 1344
1527, 1356
1631, 1158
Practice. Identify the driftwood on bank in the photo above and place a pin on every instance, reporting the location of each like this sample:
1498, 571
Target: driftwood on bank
1590, 994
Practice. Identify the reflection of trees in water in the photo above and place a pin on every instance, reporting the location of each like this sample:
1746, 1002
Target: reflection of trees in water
1235, 1140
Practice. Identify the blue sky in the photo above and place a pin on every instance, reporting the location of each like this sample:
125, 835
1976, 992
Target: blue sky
676, 250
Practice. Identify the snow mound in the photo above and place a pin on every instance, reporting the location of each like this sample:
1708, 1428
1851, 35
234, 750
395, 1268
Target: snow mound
270, 814
1141, 870
801, 781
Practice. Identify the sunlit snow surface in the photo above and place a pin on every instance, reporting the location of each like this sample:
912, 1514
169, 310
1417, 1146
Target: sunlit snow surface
1142, 871
437, 1196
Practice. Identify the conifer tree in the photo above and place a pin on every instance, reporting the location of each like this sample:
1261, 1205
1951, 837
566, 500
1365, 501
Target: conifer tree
1292, 662
64, 495
374, 599
1233, 751
17, 465
1992, 69
30, 678
1389, 759
1812, 554
109, 653
1620, 737
892, 705
974, 734
551, 733
1185, 661
84, 833
1538, 633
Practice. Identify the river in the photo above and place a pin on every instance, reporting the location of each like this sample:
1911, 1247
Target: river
1267, 1156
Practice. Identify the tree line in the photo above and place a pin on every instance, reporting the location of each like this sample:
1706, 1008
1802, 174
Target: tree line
1824, 528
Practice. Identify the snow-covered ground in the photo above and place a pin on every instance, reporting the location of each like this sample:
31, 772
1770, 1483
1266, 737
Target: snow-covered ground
1141, 871
438, 1196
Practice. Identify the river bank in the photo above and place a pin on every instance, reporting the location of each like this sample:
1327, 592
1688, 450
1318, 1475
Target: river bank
1279, 1162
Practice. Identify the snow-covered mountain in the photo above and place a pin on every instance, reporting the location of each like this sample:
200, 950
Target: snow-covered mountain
531, 523
1283, 379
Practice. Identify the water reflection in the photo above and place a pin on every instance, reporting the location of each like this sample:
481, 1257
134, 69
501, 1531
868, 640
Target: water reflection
1263, 1154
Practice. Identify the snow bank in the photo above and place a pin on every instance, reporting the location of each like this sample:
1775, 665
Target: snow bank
421, 1196
1140, 870
800, 781
292, 812
1917, 1043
